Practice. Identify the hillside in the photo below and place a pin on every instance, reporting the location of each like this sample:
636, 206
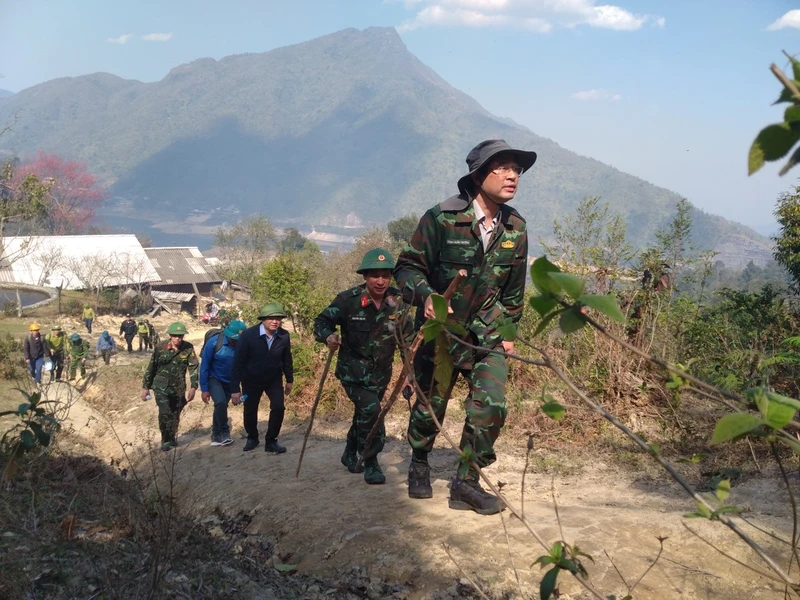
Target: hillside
349, 124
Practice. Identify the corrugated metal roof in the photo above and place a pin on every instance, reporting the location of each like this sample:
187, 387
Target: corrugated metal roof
171, 296
181, 265
77, 261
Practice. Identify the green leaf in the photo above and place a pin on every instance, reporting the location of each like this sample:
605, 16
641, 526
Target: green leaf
734, 425
571, 320
793, 160
27, 440
557, 550
41, 434
778, 415
655, 448
554, 410
795, 67
546, 321
544, 560
785, 400
283, 567
568, 565
431, 329
465, 461
785, 95
439, 307
455, 328
507, 329
723, 490
23, 408
772, 143
571, 284
548, 584
540, 270
792, 114
543, 304
443, 364
606, 304
724, 510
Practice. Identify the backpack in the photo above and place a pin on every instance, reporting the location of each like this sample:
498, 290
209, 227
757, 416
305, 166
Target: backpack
211, 333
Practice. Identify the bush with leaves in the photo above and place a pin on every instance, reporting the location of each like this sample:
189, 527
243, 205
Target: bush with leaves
32, 430
11, 363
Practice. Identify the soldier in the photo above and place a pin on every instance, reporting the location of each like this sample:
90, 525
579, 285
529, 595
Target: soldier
216, 365
33, 349
153, 336
263, 358
56, 342
128, 330
88, 317
105, 346
476, 231
78, 350
144, 335
367, 316
166, 376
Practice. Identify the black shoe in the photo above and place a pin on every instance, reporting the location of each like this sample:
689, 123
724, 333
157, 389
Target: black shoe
373, 474
419, 480
250, 444
350, 460
467, 494
274, 447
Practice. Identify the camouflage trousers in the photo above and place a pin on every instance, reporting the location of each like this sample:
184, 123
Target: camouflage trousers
367, 405
74, 365
485, 405
169, 415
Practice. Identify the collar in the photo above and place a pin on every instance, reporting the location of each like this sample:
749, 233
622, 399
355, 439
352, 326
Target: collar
480, 216
171, 347
263, 331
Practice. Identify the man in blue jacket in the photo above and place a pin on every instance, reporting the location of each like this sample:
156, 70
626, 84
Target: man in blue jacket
263, 358
216, 365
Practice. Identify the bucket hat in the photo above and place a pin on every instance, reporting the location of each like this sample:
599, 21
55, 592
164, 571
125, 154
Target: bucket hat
488, 149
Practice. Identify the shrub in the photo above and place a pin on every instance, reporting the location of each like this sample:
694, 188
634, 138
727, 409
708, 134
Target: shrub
11, 364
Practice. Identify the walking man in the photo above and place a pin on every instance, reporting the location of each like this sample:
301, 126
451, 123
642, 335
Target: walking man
153, 336
166, 376
474, 230
56, 342
88, 317
106, 346
367, 316
128, 330
33, 350
216, 366
263, 358
144, 335
78, 350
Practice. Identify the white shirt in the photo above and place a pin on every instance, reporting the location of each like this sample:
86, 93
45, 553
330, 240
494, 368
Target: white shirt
485, 230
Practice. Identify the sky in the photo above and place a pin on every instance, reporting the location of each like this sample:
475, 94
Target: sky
671, 91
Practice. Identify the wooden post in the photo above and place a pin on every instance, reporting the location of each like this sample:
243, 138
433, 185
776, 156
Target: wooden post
197, 303
19, 303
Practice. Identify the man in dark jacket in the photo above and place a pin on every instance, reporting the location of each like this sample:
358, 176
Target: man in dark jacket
263, 357
33, 348
128, 330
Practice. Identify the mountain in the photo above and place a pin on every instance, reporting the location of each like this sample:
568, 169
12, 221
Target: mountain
5, 93
349, 128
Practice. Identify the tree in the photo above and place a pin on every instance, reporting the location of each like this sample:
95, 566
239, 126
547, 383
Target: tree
401, 230
246, 247
787, 242
292, 241
74, 194
23, 203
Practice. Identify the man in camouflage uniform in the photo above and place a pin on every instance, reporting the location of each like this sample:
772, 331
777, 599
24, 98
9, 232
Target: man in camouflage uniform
78, 350
476, 231
56, 342
166, 376
368, 316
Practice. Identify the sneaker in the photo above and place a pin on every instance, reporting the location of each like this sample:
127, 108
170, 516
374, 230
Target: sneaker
216, 442
419, 480
250, 444
467, 494
227, 441
166, 446
350, 460
373, 474
274, 447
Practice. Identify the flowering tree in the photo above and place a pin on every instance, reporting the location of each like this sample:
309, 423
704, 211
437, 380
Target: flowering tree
74, 194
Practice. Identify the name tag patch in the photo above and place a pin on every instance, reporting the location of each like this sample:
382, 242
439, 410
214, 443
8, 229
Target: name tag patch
458, 242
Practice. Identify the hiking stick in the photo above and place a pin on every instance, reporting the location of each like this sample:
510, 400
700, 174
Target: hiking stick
314, 408
400, 383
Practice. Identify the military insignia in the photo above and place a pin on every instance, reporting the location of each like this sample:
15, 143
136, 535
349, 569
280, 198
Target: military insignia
364, 302
381, 257
507, 244
393, 316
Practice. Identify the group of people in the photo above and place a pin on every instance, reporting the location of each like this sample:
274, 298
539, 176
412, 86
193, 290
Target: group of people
130, 329
54, 350
474, 230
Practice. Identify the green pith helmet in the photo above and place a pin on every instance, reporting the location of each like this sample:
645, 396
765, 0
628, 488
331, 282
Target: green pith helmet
376, 259
87, 306
74, 338
56, 328
176, 328
271, 309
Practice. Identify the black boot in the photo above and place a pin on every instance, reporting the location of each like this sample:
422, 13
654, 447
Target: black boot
467, 494
274, 447
350, 460
419, 480
373, 474
250, 444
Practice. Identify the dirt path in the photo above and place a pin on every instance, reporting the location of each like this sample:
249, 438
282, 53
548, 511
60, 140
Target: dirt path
330, 522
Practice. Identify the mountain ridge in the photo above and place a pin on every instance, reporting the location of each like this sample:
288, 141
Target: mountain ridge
348, 124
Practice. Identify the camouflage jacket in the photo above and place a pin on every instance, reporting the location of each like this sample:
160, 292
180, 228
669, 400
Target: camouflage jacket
78, 351
166, 371
447, 239
368, 339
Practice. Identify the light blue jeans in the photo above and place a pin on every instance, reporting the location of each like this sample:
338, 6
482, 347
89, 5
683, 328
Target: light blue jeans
36, 368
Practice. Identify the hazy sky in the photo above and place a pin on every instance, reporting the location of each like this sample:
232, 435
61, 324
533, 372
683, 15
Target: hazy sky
671, 91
